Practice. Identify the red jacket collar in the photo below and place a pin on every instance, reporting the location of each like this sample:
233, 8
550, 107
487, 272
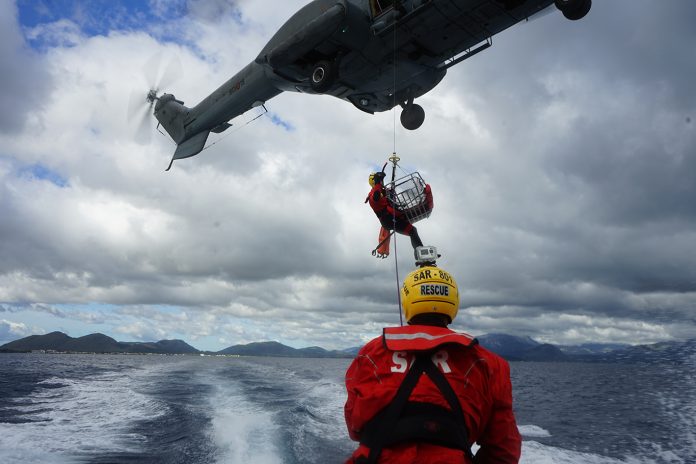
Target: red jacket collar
422, 337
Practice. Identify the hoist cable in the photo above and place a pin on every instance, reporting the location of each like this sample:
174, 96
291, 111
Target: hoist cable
394, 160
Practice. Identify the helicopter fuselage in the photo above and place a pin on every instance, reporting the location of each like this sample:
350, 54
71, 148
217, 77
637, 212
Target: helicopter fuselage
375, 54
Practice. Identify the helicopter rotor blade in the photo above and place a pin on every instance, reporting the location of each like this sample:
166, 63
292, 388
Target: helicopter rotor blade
151, 70
139, 114
143, 127
171, 73
136, 101
161, 76
141, 103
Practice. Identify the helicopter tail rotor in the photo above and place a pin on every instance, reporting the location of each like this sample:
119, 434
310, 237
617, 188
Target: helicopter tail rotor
140, 104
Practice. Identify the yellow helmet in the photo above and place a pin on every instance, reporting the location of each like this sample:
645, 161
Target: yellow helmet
429, 289
375, 177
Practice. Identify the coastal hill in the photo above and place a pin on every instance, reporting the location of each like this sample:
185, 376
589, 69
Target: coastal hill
280, 350
95, 343
510, 347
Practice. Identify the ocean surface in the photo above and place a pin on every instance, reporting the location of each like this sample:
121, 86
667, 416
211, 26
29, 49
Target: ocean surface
69, 408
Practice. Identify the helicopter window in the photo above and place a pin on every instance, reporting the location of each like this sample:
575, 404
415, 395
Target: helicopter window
380, 6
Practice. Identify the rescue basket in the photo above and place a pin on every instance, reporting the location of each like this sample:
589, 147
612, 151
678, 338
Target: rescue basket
412, 196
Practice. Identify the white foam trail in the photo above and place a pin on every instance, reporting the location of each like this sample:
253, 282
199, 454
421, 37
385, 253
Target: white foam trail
242, 431
324, 400
536, 453
680, 405
533, 431
324, 421
319, 404
85, 415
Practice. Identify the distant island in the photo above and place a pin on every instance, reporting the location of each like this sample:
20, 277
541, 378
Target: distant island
58, 342
95, 343
512, 348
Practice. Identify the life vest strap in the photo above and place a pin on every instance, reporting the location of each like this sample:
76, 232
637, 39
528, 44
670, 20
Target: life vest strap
403, 421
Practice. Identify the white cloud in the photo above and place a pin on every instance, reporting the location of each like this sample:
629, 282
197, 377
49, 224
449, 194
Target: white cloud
10, 331
25, 83
562, 185
62, 33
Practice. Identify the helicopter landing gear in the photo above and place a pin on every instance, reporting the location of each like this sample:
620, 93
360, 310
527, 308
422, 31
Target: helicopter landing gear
323, 76
412, 116
574, 9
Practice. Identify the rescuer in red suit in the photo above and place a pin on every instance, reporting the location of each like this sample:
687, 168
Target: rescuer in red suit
424, 394
389, 217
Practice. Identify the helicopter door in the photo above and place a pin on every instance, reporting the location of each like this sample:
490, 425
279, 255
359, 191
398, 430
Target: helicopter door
380, 6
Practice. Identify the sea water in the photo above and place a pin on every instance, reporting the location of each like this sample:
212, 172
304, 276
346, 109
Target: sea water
63, 408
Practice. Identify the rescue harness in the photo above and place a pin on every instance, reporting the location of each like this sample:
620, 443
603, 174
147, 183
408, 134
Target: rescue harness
409, 421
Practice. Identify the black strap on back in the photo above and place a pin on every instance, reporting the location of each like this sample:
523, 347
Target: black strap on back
403, 420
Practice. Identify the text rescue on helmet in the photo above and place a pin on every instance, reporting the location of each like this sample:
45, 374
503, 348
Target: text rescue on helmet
442, 290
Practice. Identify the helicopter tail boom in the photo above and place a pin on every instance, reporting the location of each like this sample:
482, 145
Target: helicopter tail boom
190, 147
171, 114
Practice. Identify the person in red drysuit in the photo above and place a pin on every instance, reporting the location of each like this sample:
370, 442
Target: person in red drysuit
389, 217
424, 394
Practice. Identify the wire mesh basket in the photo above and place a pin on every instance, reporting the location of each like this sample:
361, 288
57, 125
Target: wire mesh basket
411, 195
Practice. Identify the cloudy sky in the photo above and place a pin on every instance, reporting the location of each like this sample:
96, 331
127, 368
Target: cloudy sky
562, 160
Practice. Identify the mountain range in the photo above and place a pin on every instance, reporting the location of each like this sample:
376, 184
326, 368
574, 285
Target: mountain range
512, 348
95, 343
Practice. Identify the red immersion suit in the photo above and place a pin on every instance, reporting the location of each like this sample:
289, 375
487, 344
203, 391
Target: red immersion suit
385, 211
480, 379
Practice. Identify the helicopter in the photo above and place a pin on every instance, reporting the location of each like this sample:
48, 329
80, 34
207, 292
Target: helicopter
374, 54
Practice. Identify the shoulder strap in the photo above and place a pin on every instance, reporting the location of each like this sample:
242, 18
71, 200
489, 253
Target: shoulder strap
388, 420
448, 392
391, 414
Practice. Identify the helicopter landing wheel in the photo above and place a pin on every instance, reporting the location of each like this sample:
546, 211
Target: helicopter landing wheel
412, 116
574, 9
